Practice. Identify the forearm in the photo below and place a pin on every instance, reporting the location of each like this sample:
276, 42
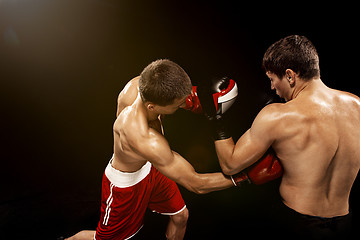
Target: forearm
224, 150
183, 173
202, 183
209, 182
234, 158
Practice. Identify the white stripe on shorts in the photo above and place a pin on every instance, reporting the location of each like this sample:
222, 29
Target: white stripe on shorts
108, 203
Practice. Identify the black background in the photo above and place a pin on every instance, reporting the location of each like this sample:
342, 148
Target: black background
63, 63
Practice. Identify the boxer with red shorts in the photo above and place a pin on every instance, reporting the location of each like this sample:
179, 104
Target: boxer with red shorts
143, 163
130, 194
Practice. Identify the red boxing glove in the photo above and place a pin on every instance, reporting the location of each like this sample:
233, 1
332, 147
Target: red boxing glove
222, 95
266, 169
193, 102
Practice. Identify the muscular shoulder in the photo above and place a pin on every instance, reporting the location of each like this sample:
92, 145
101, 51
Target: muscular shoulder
140, 137
272, 114
273, 119
152, 146
128, 95
348, 98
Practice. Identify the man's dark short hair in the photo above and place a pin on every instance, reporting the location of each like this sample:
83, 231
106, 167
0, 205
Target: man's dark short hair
163, 81
293, 52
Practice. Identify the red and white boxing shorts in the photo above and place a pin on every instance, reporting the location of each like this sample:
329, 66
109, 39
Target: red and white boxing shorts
126, 196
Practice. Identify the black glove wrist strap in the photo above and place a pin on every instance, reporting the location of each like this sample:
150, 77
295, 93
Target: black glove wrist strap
219, 131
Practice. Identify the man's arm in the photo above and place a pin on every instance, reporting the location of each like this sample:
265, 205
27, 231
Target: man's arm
268, 166
156, 149
252, 144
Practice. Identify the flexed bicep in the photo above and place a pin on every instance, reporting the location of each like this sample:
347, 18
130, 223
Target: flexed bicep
250, 147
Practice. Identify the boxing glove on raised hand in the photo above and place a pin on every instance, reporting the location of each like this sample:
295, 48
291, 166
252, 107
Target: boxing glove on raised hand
265, 170
215, 100
193, 102
223, 98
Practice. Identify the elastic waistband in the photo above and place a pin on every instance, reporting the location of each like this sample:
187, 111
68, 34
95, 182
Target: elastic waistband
298, 214
122, 179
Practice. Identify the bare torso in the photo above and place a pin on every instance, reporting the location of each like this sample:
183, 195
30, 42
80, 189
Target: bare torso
130, 125
318, 143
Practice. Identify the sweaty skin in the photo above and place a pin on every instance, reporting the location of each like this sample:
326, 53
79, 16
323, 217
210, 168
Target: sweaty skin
138, 138
315, 134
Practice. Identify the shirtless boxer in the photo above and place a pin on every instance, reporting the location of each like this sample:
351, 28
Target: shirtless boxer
315, 134
133, 180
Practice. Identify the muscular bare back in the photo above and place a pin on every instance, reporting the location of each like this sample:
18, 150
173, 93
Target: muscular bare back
318, 143
130, 126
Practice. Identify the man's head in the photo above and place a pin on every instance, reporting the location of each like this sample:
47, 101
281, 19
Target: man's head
164, 84
288, 60
293, 52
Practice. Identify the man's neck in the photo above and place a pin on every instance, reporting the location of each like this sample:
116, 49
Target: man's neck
149, 115
304, 86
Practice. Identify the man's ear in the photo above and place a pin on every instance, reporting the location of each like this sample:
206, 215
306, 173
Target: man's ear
150, 106
290, 76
